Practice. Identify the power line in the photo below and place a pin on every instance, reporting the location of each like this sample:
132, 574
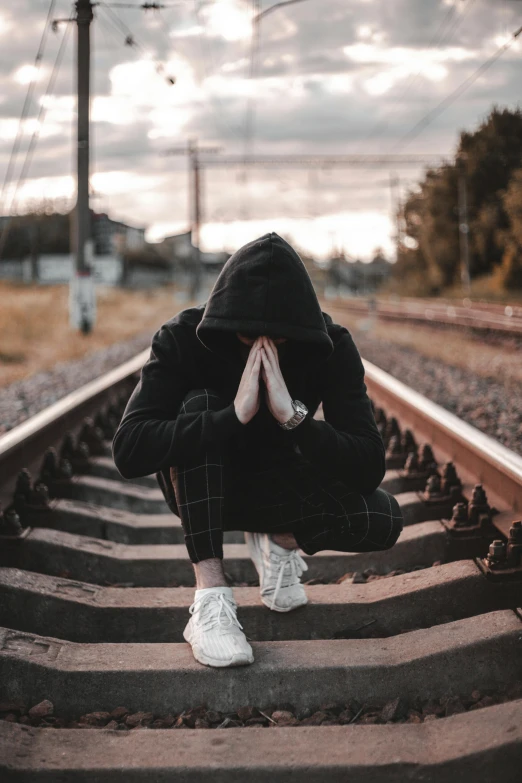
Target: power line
453, 96
254, 52
131, 40
41, 113
145, 6
34, 138
276, 6
234, 130
28, 99
442, 34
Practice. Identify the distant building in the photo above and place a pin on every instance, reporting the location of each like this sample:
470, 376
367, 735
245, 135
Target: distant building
180, 252
357, 276
111, 236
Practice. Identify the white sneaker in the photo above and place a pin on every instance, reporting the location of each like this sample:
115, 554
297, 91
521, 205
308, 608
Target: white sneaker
279, 572
214, 632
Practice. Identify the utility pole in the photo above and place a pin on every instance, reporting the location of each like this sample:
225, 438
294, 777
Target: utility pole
395, 195
193, 150
195, 211
463, 227
34, 232
82, 295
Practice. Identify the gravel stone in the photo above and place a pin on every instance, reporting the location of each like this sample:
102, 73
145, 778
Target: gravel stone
139, 719
393, 710
96, 718
119, 713
245, 713
280, 716
42, 709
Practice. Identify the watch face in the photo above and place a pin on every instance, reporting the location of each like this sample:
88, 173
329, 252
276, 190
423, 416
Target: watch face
300, 407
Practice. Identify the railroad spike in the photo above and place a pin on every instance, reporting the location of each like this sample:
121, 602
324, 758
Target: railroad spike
450, 480
460, 515
408, 441
380, 419
394, 446
103, 423
10, 524
392, 428
433, 485
411, 465
93, 437
427, 461
496, 556
514, 545
395, 455
479, 510
75, 451
54, 470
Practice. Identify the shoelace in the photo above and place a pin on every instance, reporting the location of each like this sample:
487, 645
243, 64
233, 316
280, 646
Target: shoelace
295, 563
220, 609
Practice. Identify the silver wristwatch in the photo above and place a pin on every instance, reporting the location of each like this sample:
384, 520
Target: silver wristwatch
300, 412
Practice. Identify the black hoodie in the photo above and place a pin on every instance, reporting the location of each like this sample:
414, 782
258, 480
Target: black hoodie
264, 288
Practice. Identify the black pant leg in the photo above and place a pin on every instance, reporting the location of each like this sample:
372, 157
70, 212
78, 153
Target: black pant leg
368, 523
322, 513
198, 488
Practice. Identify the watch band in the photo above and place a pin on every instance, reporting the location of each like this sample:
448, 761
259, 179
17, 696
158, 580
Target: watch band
300, 413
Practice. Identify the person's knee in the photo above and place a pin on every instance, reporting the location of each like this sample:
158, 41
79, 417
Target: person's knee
198, 400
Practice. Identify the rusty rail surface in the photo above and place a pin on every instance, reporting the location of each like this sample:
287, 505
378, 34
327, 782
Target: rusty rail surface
479, 318
481, 458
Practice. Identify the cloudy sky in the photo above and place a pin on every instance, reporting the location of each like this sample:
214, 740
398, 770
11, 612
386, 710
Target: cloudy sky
331, 76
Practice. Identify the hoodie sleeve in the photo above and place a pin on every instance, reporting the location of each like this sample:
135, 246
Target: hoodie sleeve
153, 435
347, 443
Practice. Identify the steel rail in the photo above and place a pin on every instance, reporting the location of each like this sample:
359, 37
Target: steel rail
433, 313
478, 457
24, 445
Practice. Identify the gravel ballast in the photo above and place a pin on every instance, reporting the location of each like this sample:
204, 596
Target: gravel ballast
397, 710
493, 407
23, 399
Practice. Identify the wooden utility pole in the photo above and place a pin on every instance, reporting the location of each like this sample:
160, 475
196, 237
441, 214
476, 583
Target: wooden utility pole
395, 195
82, 301
195, 211
193, 150
34, 233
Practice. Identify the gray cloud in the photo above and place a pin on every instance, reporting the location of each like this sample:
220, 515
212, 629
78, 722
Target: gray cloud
303, 43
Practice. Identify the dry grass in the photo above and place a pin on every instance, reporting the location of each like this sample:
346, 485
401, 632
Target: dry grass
35, 332
501, 362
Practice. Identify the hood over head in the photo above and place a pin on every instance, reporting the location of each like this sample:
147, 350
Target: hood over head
264, 288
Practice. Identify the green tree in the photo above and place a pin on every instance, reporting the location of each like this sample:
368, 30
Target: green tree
487, 158
510, 272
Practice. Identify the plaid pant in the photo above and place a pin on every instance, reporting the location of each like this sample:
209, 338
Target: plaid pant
213, 494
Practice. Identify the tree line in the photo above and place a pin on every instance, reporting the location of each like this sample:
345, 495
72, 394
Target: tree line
489, 163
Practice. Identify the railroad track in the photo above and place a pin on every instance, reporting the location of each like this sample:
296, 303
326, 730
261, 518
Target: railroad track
505, 321
405, 664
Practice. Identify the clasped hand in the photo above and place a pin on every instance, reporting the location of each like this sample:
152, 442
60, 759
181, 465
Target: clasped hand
263, 362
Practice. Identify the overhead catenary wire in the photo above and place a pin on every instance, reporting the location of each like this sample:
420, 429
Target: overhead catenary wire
235, 131
146, 6
131, 40
443, 33
455, 94
28, 100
